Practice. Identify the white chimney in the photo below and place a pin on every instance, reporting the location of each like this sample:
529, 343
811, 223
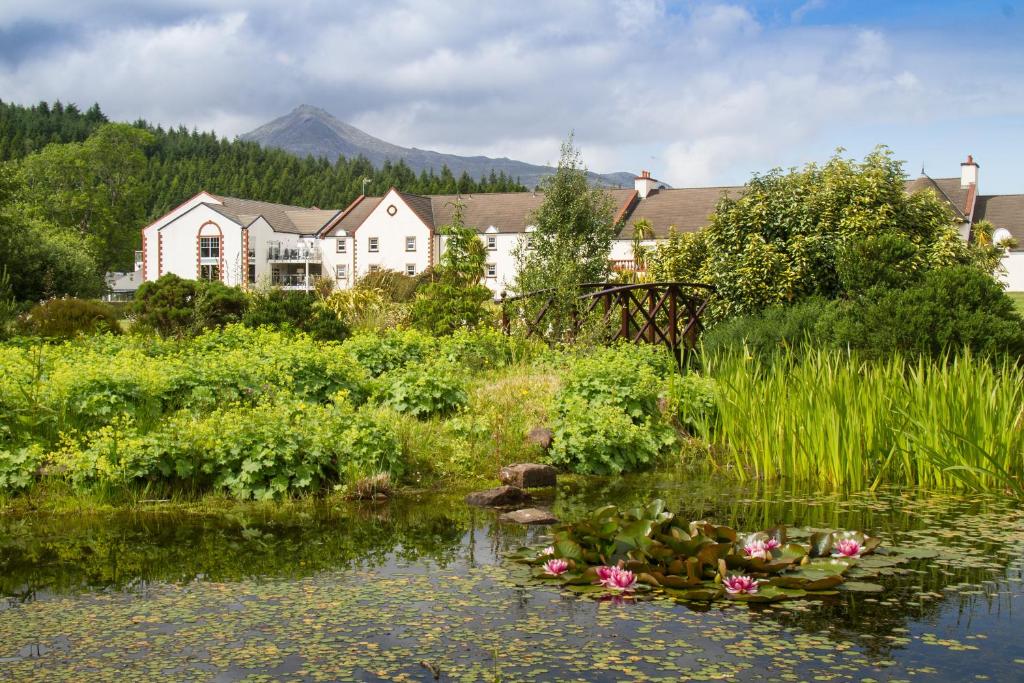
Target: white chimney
644, 183
969, 173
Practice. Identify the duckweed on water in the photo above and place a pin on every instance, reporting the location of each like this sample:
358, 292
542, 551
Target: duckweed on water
443, 595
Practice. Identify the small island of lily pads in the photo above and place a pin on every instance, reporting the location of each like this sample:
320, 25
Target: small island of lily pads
644, 550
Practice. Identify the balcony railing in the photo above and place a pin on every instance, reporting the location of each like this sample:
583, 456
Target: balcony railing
292, 254
290, 281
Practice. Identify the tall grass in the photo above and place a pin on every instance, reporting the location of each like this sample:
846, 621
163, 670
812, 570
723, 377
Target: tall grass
828, 417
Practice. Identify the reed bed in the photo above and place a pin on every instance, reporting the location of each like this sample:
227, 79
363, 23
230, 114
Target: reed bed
829, 417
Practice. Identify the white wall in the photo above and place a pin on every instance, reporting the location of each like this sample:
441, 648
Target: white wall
1014, 276
150, 254
332, 259
391, 231
179, 237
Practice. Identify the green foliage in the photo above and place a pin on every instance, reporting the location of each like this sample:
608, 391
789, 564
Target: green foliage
606, 418
175, 307
771, 330
691, 400
18, 468
948, 310
570, 246
424, 389
283, 309
93, 188
389, 351
889, 260
395, 286
69, 318
455, 299
679, 258
8, 306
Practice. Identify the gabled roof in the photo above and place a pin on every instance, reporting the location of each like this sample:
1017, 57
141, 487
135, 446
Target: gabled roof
295, 220
421, 206
684, 209
354, 215
1003, 211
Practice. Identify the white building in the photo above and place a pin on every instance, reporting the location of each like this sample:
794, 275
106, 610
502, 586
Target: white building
244, 242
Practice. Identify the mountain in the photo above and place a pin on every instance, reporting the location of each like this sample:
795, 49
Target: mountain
309, 130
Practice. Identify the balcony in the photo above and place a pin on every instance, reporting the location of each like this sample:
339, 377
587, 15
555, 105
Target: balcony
293, 254
289, 281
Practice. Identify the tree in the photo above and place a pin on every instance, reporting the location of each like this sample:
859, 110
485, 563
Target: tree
814, 232
571, 242
93, 188
455, 299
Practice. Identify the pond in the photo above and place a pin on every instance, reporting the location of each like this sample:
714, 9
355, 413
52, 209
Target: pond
403, 589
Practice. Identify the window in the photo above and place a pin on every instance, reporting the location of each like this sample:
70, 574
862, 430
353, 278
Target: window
374, 244
341, 272
492, 242
209, 247
252, 273
410, 269
491, 270
342, 245
410, 244
374, 268
209, 271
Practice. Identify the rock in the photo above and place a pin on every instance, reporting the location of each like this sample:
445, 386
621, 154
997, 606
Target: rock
499, 497
529, 516
528, 475
540, 436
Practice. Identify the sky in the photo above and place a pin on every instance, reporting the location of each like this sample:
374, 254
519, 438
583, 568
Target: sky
699, 93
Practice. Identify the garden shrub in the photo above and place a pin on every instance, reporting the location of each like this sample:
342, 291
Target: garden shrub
424, 389
600, 438
691, 402
217, 305
485, 348
283, 309
775, 328
948, 310
393, 285
380, 353
18, 468
175, 307
68, 318
606, 418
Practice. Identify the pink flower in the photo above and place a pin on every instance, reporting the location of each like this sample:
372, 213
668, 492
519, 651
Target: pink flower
740, 584
758, 550
555, 567
847, 547
603, 574
550, 550
620, 580
772, 543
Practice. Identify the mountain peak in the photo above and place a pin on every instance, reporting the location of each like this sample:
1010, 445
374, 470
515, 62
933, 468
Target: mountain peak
311, 131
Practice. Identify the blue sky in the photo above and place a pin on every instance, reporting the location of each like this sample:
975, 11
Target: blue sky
700, 93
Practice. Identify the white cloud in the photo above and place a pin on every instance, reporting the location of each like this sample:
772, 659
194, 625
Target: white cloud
702, 95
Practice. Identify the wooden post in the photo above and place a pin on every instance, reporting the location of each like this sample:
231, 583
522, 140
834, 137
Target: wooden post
673, 320
651, 304
624, 326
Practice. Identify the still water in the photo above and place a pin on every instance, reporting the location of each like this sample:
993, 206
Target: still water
418, 587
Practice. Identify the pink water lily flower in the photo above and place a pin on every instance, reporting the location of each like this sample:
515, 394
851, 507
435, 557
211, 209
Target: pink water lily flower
556, 567
620, 580
847, 547
758, 550
550, 550
740, 584
603, 574
772, 544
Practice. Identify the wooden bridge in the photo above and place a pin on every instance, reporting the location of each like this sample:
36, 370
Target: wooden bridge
666, 313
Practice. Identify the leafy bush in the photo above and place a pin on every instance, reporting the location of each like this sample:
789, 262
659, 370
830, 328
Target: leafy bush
393, 285
424, 389
175, 307
691, 401
18, 468
599, 438
366, 310
380, 353
68, 318
888, 259
770, 330
949, 310
606, 418
283, 309
486, 347
217, 305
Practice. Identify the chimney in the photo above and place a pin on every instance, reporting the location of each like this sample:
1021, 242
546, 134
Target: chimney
644, 184
968, 173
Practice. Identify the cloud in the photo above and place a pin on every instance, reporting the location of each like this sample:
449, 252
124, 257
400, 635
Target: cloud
702, 93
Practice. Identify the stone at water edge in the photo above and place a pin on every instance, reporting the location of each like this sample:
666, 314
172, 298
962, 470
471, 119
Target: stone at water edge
499, 497
528, 475
540, 436
529, 516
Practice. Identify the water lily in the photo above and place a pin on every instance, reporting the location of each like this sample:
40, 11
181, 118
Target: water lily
740, 584
556, 567
550, 550
620, 580
772, 544
603, 574
758, 550
847, 547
